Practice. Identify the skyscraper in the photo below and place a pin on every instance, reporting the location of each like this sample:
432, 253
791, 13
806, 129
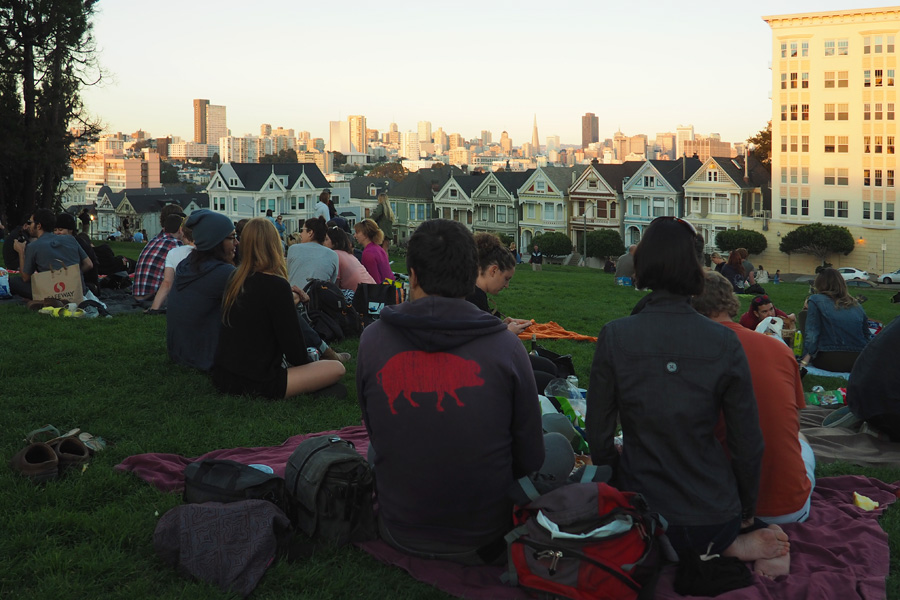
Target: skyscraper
684, 133
535, 140
357, 125
590, 129
216, 124
200, 120
425, 131
339, 137
411, 145
486, 138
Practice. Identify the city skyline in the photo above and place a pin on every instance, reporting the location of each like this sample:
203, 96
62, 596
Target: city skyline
639, 69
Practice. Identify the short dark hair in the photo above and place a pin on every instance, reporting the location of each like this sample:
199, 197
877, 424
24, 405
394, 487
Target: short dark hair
339, 239
442, 253
45, 218
666, 259
170, 209
317, 227
173, 224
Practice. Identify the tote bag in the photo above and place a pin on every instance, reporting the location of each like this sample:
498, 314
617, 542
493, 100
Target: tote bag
63, 284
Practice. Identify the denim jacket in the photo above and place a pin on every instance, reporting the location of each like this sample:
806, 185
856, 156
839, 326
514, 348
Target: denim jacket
832, 329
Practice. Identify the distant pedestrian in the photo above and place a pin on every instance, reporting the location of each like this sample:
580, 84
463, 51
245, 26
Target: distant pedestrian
537, 259
85, 217
777, 278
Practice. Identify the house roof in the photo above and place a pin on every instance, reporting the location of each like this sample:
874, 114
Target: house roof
469, 183
422, 184
359, 186
153, 200
562, 177
678, 171
615, 174
513, 180
255, 175
758, 175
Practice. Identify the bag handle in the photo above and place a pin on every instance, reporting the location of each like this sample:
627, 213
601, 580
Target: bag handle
63, 266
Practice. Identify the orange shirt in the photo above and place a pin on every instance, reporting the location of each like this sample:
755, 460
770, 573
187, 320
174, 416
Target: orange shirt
783, 485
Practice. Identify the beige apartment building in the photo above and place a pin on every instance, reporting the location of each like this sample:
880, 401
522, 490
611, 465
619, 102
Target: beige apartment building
117, 172
834, 134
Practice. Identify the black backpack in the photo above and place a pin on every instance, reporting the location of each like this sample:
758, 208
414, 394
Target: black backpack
332, 489
329, 313
227, 481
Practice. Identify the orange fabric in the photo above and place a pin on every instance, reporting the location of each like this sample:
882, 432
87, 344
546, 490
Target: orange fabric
783, 484
553, 331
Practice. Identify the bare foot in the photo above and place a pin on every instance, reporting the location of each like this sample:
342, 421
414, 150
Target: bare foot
773, 567
771, 542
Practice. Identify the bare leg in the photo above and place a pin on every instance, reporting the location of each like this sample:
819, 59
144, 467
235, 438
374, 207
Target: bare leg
313, 376
773, 567
767, 543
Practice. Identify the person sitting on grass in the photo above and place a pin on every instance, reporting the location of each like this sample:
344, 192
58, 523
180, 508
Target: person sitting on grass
151, 264
761, 307
261, 329
451, 408
788, 477
873, 393
374, 258
173, 259
194, 312
351, 272
310, 259
65, 225
667, 374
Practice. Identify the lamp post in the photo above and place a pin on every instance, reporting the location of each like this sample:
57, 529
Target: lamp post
92, 227
883, 248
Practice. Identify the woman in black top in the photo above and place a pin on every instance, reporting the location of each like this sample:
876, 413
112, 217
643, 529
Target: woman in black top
260, 327
496, 267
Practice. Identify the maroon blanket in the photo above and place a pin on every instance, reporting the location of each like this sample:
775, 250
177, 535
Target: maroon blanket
840, 552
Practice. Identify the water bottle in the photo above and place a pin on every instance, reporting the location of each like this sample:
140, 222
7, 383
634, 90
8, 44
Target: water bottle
534, 345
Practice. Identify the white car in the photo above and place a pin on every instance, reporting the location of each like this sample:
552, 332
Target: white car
851, 273
890, 277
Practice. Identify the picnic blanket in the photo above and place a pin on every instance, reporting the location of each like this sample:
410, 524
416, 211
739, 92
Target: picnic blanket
832, 444
553, 331
811, 370
840, 552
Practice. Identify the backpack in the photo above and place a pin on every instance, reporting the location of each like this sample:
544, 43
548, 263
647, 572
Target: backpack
332, 491
370, 298
329, 313
227, 481
586, 540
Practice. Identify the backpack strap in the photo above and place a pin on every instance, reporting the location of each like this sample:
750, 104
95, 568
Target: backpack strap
527, 485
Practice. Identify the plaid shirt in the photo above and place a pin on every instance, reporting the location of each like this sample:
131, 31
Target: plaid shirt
148, 274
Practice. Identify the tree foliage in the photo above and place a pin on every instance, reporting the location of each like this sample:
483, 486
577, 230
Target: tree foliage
393, 170
504, 238
46, 57
605, 242
763, 145
732, 239
819, 240
553, 244
286, 155
168, 173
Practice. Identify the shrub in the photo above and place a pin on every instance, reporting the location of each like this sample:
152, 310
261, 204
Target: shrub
605, 242
553, 244
732, 239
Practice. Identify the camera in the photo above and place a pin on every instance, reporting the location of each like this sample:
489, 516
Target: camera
22, 238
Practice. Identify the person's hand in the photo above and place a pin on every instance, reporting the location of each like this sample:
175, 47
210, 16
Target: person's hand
299, 295
517, 326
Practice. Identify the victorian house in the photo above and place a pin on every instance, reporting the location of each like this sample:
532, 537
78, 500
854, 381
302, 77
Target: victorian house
495, 202
412, 198
543, 199
141, 208
595, 199
655, 189
454, 200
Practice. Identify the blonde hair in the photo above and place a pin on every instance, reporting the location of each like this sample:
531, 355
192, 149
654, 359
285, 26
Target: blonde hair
294, 238
261, 252
383, 200
369, 228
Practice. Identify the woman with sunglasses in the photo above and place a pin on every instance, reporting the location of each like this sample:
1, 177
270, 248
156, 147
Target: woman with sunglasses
261, 331
667, 374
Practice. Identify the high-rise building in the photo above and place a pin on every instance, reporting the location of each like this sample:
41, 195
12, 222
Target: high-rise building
456, 141
486, 137
552, 143
265, 129
834, 125
705, 146
216, 124
665, 142
339, 137
424, 131
683, 133
535, 140
410, 147
200, 120
506, 143
357, 132
590, 129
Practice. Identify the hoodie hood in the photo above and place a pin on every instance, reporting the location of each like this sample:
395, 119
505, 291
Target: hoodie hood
187, 273
435, 323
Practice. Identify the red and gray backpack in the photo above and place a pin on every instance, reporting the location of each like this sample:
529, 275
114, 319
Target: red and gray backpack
587, 541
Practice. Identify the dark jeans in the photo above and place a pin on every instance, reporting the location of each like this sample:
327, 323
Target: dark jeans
887, 423
836, 362
17, 287
697, 538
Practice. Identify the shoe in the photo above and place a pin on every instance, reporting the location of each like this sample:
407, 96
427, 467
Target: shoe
842, 417
866, 428
71, 452
36, 461
330, 354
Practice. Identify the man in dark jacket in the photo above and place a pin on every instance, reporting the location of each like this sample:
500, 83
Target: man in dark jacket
450, 403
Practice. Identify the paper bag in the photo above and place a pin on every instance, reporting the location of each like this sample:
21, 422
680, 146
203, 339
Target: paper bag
63, 284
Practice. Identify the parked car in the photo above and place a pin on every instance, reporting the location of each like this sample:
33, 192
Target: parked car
859, 283
851, 273
893, 276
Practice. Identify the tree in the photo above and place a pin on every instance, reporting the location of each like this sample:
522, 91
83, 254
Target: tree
393, 170
167, 172
763, 143
46, 57
818, 240
732, 239
604, 242
553, 244
504, 238
286, 155
339, 159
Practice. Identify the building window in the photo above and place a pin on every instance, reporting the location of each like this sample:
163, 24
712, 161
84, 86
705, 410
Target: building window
793, 49
793, 206
540, 187
867, 112
843, 112
879, 74
784, 175
453, 192
843, 47
804, 49
829, 208
878, 112
793, 175
530, 210
783, 49
843, 209
804, 110
890, 44
712, 175
829, 176
843, 80
492, 190
793, 143
804, 80
793, 81
890, 144
501, 213
876, 214
829, 112
877, 182
843, 143
784, 112
784, 145
867, 144
867, 78
889, 178
867, 210
867, 177
548, 211
829, 79
843, 176
649, 181
889, 211
890, 111
877, 144
793, 112
804, 175
829, 48
804, 207
829, 143
804, 143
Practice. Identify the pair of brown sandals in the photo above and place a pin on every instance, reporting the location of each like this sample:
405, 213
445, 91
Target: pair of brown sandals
48, 454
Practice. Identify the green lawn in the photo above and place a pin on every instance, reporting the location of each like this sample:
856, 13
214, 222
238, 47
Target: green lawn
91, 533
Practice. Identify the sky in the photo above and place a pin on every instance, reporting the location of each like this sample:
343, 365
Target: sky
645, 66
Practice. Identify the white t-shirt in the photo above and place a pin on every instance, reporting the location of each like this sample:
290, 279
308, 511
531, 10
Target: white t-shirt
176, 255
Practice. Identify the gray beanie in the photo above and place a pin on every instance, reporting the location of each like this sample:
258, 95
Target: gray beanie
209, 228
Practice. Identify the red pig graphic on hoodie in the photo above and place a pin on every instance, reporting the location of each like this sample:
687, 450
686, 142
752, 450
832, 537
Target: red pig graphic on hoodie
420, 372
